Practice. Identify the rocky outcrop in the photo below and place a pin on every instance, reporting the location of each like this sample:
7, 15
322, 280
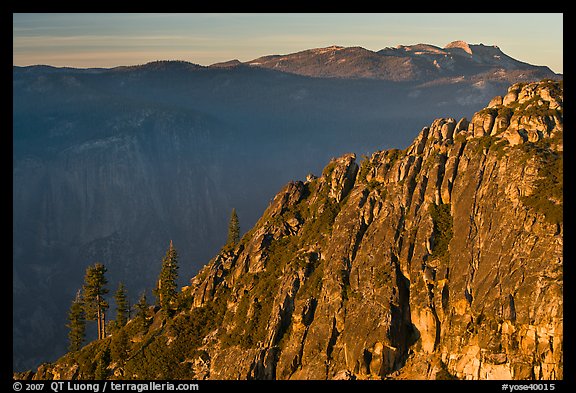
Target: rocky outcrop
440, 261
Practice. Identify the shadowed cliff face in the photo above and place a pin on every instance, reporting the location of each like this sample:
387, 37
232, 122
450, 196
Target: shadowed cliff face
443, 260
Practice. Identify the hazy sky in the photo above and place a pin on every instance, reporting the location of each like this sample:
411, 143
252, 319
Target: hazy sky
108, 40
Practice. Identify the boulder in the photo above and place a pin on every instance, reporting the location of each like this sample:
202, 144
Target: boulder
513, 137
496, 101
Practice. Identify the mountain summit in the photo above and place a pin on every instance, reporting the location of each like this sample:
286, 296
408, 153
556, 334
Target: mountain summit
459, 44
421, 62
443, 260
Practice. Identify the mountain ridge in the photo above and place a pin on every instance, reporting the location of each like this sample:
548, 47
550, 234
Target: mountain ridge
420, 62
400, 63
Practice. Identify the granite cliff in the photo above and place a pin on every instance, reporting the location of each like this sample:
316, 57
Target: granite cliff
443, 260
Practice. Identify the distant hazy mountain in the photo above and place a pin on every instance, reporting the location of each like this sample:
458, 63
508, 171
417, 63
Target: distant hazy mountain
421, 63
109, 165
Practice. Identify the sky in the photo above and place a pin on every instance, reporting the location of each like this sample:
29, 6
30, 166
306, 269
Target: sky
108, 40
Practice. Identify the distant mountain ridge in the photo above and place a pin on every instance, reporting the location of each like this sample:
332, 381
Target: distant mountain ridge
421, 62
403, 63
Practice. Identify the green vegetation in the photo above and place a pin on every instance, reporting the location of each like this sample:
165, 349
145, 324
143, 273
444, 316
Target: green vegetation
141, 311
165, 290
547, 197
321, 224
122, 307
313, 284
102, 364
505, 111
317, 214
76, 324
250, 320
93, 291
536, 106
488, 111
393, 155
532, 107
389, 158
120, 346
442, 229
489, 143
460, 138
365, 167
233, 229
86, 361
166, 352
328, 169
556, 87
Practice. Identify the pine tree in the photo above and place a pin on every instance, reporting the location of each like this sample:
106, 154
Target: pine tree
166, 285
233, 229
76, 324
95, 305
141, 310
101, 372
120, 346
122, 307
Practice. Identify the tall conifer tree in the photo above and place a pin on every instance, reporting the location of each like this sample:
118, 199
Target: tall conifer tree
76, 324
166, 285
141, 310
93, 291
122, 307
233, 229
